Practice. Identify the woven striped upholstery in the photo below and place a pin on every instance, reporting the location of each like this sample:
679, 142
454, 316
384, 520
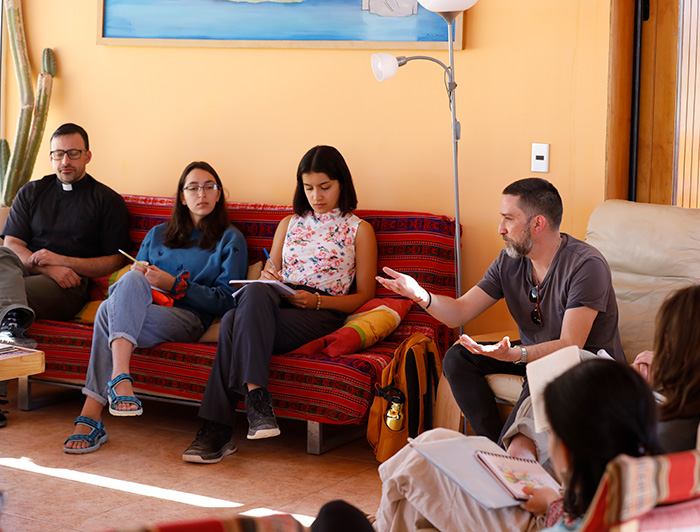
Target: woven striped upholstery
632, 488
329, 390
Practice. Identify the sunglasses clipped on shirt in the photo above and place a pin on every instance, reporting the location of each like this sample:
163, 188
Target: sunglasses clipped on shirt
536, 315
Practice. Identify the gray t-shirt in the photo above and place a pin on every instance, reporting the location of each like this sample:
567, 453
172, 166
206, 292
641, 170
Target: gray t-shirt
579, 276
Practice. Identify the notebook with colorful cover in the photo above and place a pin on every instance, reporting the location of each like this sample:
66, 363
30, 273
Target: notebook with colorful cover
513, 474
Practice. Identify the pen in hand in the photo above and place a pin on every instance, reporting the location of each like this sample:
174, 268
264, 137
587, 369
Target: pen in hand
268, 258
276, 271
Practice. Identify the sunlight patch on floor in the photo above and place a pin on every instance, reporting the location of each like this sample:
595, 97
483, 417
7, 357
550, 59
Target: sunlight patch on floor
262, 512
26, 464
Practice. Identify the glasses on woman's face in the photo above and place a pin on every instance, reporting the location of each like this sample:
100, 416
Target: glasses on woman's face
535, 315
194, 189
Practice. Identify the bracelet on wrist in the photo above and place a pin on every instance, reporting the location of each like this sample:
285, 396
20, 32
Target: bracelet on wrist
430, 301
318, 300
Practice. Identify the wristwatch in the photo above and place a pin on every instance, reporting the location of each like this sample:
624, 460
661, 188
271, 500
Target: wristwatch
523, 355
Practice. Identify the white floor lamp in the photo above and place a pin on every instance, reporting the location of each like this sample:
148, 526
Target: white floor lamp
385, 65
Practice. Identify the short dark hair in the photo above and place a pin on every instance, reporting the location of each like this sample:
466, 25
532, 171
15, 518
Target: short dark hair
537, 196
212, 226
70, 129
329, 161
599, 409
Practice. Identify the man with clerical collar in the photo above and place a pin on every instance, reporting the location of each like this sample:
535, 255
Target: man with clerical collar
62, 230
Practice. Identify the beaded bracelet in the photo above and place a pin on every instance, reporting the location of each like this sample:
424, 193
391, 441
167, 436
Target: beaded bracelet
318, 301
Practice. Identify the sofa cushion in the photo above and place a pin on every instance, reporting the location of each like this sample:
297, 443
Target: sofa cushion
373, 321
98, 293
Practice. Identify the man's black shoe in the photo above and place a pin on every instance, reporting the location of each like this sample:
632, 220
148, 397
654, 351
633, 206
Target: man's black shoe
212, 443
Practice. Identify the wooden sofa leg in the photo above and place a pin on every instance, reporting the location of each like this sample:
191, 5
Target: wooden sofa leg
317, 443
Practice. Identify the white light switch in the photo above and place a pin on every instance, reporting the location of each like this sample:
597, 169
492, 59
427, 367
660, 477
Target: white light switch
540, 158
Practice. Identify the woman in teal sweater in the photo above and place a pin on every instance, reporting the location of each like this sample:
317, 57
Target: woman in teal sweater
178, 285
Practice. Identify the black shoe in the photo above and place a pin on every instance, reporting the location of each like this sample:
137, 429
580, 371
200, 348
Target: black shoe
12, 333
3, 419
261, 416
212, 443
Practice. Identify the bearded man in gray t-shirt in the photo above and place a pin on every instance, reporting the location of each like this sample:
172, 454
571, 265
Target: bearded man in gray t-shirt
558, 290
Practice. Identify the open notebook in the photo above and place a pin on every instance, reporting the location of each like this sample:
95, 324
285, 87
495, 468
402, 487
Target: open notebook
458, 459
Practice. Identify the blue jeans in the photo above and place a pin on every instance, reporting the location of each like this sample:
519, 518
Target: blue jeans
129, 313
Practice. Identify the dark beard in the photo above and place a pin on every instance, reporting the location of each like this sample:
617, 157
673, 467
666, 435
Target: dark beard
518, 250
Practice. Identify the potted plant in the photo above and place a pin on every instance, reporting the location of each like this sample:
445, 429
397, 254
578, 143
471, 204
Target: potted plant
16, 167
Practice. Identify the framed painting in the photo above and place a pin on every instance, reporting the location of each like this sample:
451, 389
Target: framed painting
359, 24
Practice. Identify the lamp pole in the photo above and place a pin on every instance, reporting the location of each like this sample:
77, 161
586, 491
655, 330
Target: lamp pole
456, 135
385, 65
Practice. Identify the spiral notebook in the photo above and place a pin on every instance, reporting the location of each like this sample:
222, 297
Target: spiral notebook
513, 474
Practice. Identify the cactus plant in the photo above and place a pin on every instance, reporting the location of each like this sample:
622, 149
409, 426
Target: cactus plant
16, 167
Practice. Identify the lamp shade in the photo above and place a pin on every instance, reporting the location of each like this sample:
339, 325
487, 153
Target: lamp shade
440, 6
384, 65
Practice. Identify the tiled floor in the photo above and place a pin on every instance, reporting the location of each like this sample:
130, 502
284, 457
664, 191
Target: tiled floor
48, 490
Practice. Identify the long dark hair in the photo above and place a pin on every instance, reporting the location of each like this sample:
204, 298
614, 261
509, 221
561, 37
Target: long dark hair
674, 370
180, 225
327, 160
599, 409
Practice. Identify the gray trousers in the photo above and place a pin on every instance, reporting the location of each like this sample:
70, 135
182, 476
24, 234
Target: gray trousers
262, 323
37, 296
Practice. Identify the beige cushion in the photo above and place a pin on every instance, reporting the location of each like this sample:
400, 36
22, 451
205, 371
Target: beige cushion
506, 387
212, 333
652, 250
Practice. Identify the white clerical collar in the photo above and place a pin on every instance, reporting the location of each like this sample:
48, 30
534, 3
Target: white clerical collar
67, 186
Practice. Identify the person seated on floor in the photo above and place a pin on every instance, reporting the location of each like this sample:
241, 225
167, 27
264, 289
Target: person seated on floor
596, 410
672, 369
329, 256
558, 290
175, 289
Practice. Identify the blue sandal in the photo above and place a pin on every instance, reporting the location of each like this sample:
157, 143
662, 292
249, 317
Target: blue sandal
97, 436
115, 399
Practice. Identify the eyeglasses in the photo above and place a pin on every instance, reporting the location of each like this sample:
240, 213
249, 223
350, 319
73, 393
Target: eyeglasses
194, 189
58, 155
535, 315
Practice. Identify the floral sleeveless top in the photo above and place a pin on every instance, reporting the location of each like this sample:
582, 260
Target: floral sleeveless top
319, 251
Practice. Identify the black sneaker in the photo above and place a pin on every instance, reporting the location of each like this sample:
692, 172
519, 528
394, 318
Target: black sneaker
261, 416
212, 443
12, 333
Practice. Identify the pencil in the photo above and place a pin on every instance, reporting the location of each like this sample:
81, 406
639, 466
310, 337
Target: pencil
142, 263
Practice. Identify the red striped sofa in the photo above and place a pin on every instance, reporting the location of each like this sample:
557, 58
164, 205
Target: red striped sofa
320, 390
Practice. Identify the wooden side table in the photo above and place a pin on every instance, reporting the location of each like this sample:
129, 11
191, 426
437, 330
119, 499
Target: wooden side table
19, 362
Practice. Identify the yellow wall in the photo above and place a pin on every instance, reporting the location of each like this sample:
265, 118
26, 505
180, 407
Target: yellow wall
532, 71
